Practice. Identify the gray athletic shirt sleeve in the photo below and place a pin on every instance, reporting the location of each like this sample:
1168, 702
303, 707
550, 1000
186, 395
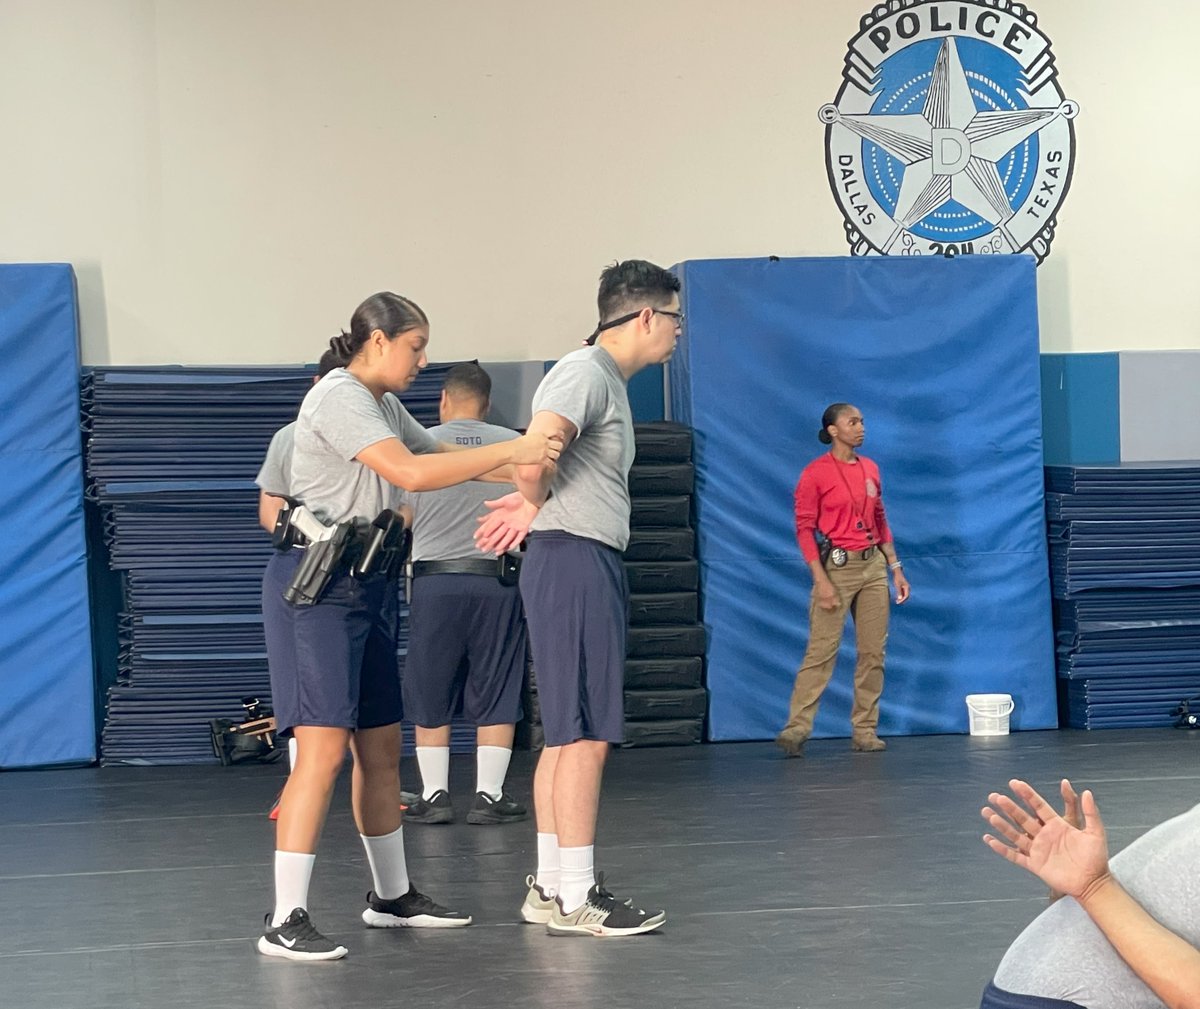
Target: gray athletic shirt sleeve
338, 419
1063, 955
591, 488
275, 475
444, 520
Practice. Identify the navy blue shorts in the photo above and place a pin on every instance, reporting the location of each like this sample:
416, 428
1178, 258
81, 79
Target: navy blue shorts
466, 642
332, 664
998, 998
577, 608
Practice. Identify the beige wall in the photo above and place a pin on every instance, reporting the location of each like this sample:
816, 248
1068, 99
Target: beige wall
230, 177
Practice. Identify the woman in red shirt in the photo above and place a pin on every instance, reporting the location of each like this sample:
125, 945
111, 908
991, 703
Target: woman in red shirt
840, 497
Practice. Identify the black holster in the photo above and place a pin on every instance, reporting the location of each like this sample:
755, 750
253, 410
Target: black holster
321, 562
824, 546
387, 542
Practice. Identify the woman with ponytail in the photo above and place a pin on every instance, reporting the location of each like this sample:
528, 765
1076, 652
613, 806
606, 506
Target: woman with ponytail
334, 680
840, 497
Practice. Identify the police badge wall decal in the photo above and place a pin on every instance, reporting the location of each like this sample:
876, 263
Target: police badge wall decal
950, 134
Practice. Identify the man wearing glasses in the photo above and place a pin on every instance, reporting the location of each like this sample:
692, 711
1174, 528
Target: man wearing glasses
575, 592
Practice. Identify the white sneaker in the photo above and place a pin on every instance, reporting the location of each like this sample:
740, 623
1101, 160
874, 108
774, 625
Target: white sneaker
537, 907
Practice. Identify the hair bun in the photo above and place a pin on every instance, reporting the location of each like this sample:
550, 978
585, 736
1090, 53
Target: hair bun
823, 437
342, 347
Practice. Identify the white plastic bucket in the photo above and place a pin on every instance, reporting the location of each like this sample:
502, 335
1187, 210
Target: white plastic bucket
988, 713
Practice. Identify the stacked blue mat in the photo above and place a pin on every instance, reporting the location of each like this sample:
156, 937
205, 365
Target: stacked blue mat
171, 458
1125, 572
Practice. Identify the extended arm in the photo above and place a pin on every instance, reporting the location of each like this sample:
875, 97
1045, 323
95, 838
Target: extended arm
1075, 862
501, 474
392, 460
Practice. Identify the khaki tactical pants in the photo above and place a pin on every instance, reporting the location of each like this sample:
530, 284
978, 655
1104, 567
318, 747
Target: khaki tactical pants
862, 588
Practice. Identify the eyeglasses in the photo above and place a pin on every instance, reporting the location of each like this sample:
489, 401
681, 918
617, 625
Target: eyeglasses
677, 316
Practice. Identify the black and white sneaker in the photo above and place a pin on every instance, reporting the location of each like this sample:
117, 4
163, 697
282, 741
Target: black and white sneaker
298, 939
413, 910
603, 915
436, 809
502, 810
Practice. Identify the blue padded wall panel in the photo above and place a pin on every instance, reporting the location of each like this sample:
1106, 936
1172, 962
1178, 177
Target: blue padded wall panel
1081, 410
942, 357
47, 708
647, 401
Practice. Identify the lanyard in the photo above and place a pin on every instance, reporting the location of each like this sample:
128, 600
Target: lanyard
854, 506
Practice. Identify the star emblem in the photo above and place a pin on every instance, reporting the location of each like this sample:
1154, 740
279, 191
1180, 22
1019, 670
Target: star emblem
950, 150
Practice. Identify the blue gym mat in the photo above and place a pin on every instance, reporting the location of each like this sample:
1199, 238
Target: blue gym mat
171, 458
1125, 573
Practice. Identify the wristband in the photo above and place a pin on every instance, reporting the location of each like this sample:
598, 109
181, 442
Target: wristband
894, 566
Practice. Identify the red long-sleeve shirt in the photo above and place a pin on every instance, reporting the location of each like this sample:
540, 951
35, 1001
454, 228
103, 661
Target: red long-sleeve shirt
835, 497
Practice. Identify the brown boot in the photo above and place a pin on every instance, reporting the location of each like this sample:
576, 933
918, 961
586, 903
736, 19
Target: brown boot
792, 741
867, 742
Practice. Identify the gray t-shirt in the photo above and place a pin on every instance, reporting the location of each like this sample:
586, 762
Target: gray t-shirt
444, 520
1063, 955
591, 488
338, 419
275, 476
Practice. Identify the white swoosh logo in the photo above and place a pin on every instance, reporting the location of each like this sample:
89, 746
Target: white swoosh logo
289, 943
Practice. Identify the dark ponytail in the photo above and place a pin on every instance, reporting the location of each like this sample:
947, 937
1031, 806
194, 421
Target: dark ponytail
390, 313
830, 416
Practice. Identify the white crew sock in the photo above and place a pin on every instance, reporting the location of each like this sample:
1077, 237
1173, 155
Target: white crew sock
389, 869
291, 753
549, 870
491, 767
434, 762
293, 870
578, 875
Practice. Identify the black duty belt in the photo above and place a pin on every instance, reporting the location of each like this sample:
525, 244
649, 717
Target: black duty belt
838, 556
462, 566
361, 550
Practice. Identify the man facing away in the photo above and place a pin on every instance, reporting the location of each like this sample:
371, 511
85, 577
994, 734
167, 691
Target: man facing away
466, 627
